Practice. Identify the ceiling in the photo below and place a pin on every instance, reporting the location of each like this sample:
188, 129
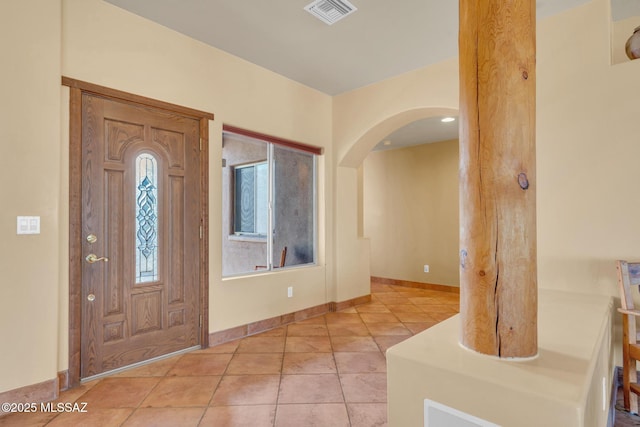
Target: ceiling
381, 39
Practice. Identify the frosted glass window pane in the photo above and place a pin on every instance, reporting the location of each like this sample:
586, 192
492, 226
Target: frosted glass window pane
146, 219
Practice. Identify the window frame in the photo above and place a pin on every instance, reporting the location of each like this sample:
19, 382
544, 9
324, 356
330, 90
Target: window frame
255, 235
269, 238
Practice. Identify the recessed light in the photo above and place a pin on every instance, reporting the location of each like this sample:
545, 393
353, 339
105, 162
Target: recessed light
387, 142
447, 119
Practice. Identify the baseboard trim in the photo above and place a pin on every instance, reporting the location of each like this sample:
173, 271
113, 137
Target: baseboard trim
63, 380
40, 392
337, 306
232, 334
416, 285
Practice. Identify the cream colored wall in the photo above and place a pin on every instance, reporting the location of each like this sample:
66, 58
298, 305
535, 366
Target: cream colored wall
411, 212
105, 45
587, 144
29, 147
587, 153
587, 149
620, 33
361, 118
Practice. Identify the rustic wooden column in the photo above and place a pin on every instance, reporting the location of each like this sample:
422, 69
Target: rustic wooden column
498, 295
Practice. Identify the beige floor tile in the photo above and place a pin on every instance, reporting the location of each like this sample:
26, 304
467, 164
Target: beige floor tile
22, 419
308, 330
438, 308
308, 363
240, 416
322, 414
165, 417
353, 344
119, 392
343, 318
349, 330
398, 328
308, 344
247, 390
182, 392
93, 418
200, 365
414, 317
367, 414
319, 388
379, 318
361, 362
255, 363
372, 308
404, 308
364, 388
262, 344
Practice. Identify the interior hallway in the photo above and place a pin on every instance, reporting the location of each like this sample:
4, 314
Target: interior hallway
327, 371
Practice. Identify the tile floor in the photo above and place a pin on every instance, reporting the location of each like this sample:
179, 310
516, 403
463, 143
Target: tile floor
325, 371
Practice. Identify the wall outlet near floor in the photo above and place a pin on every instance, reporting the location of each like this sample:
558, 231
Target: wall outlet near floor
426, 268
289, 291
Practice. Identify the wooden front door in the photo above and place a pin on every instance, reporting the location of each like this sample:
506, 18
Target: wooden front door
141, 225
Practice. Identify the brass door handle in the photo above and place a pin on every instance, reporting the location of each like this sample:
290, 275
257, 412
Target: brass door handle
91, 258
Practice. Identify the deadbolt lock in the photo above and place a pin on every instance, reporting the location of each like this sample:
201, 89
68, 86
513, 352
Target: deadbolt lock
91, 238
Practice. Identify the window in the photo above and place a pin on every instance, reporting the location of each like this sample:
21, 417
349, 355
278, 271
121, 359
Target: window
269, 204
146, 218
251, 186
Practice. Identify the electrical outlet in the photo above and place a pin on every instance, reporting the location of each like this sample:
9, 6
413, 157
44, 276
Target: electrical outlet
290, 292
426, 268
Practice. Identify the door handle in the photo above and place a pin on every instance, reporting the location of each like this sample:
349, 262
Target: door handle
91, 258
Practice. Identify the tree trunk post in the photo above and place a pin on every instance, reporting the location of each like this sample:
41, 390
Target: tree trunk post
498, 265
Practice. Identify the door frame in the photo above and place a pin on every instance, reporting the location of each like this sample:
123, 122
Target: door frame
77, 88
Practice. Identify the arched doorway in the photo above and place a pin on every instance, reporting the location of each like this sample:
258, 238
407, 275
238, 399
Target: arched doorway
350, 179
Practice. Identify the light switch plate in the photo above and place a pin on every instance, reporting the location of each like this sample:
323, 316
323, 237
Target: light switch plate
28, 225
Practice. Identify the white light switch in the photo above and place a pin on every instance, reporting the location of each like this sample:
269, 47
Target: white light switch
28, 225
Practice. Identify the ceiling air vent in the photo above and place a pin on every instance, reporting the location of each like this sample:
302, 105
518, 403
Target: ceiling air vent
330, 11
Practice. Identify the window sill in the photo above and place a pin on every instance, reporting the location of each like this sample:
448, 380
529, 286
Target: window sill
247, 238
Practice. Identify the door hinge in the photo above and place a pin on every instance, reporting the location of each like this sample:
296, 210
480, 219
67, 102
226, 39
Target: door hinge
201, 232
201, 320
200, 144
